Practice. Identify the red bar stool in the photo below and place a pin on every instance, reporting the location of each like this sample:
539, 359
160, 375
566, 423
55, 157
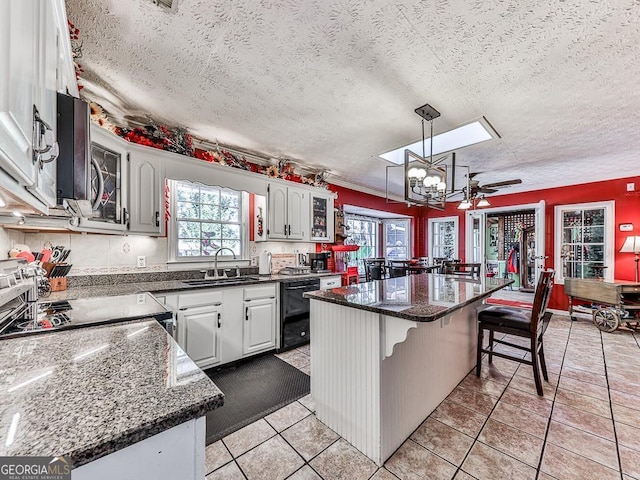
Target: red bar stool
350, 276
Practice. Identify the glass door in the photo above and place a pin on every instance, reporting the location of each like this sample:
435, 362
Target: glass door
321, 218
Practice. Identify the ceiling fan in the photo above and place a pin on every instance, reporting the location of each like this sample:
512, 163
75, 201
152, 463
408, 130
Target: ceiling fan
473, 188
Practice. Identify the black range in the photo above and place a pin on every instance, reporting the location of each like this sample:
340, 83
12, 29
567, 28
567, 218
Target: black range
84, 312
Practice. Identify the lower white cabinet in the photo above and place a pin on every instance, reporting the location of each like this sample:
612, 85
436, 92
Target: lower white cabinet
217, 326
259, 333
200, 332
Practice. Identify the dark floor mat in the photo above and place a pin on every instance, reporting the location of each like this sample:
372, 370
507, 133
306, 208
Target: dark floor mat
253, 390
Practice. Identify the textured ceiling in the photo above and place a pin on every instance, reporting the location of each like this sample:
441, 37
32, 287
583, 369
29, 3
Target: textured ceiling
333, 83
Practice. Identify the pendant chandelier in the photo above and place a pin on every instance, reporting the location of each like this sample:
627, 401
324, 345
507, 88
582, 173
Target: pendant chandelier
425, 181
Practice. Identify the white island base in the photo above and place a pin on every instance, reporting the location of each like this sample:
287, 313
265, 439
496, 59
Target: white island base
177, 453
375, 378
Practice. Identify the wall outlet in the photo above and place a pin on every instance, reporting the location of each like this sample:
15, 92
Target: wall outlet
142, 261
631, 187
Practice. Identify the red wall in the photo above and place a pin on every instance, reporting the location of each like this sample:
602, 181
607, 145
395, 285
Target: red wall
627, 210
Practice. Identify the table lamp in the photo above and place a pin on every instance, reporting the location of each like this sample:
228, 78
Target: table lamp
632, 245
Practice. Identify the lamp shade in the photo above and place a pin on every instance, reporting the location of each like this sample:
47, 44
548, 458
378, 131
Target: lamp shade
483, 202
631, 244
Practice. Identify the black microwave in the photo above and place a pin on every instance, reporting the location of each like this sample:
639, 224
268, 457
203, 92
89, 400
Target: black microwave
86, 170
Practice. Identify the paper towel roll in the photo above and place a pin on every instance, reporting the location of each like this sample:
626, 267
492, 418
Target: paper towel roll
264, 264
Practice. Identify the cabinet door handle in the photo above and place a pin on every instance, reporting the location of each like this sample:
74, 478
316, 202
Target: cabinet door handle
246, 313
219, 323
289, 229
285, 228
157, 218
125, 216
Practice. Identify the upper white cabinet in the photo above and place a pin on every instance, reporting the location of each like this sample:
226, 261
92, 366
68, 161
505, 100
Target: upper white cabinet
288, 213
45, 97
35, 60
146, 193
322, 227
19, 36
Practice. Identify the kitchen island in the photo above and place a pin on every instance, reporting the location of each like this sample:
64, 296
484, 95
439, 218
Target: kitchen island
120, 400
386, 353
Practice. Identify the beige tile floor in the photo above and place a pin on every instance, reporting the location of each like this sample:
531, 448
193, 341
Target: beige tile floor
587, 425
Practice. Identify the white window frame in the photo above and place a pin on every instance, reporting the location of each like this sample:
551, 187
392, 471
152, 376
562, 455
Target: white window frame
430, 230
172, 230
376, 239
407, 222
609, 236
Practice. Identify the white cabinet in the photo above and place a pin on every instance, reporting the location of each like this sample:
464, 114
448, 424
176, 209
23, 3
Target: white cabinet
259, 331
221, 325
18, 75
334, 281
199, 322
200, 335
146, 193
322, 221
35, 58
44, 186
288, 213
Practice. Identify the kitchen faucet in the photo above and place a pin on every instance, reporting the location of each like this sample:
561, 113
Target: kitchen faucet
215, 264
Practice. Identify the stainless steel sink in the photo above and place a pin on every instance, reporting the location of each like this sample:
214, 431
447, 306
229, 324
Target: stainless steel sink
219, 281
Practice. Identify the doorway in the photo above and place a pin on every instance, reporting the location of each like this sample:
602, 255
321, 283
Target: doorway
509, 242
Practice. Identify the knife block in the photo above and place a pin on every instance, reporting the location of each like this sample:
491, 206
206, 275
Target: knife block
58, 284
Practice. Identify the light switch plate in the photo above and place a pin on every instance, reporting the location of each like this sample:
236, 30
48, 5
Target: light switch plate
625, 227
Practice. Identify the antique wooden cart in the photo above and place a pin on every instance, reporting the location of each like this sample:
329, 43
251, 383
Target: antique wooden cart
611, 302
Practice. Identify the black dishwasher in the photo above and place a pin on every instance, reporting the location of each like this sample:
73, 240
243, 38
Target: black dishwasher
294, 312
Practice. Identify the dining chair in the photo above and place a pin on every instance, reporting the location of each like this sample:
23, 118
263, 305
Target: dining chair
398, 268
519, 322
464, 269
374, 269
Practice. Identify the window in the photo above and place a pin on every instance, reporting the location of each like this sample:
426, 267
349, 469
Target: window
443, 238
362, 231
205, 219
396, 235
584, 240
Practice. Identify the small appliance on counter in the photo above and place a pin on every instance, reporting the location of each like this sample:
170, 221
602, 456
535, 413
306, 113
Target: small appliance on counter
301, 270
264, 264
319, 262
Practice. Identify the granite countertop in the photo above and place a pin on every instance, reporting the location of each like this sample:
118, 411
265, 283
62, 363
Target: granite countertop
91, 391
167, 286
420, 298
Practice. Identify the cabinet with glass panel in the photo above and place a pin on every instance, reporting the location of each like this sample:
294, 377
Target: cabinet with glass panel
322, 228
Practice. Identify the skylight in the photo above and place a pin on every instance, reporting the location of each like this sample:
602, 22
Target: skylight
464, 136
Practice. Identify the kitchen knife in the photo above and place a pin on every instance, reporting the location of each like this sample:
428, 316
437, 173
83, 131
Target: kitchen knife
56, 254
65, 254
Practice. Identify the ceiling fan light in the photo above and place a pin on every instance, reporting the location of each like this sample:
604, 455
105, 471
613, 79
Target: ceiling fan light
464, 205
483, 202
